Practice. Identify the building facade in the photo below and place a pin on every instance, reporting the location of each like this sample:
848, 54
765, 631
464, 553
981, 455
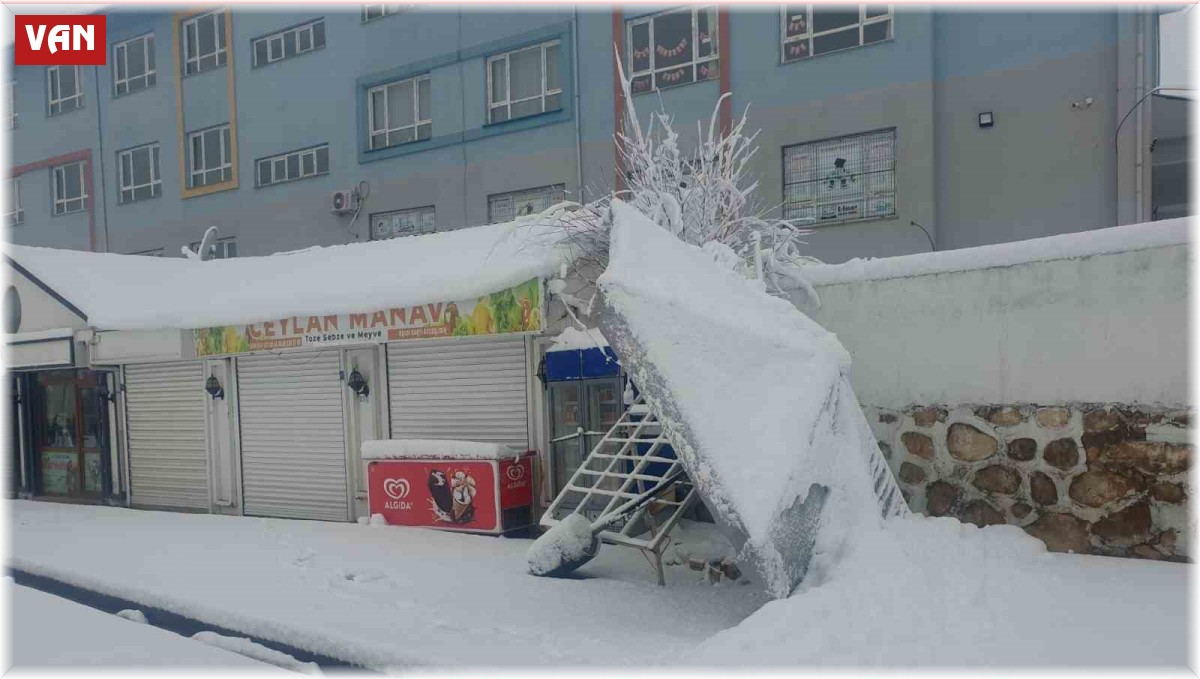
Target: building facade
892, 129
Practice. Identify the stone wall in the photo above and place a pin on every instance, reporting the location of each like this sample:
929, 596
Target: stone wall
1095, 478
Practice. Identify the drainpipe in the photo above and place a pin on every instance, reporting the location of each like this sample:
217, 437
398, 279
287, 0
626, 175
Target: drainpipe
103, 197
578, 110
1138, 93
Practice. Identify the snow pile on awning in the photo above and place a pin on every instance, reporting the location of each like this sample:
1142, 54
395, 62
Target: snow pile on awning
752, 394
122, 292
574, 339
436, 449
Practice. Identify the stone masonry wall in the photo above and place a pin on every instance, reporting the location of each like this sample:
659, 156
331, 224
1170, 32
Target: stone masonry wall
1087, 478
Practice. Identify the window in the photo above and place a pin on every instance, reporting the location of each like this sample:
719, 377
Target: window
289, 43
204, 42
293, 165
672, 48
133, 65
524, 82
210, 151
69, 193
12, 104
372, 12
13, 212
505, 207
223, 248
413, 222
810, 30
399, 113
138, 174
841, 180
63, 88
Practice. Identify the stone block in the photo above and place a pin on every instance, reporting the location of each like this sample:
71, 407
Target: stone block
1096, 488
968, 444
997, 479
916, 444
1061, 533
1061, 453
1053, 418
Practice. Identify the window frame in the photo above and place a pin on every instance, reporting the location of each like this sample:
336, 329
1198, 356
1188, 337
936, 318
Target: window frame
508, 102
810, 35
52, 101
313, 151
226, 155
221, 54
283, 35
62, 206
155, 184
16, 215
653, 72
149, 77
866, 198
431, 209
222, 244
560, 188
415, 82
12, 104
386, 10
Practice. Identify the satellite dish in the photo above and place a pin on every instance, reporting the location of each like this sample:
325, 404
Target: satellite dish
204, 250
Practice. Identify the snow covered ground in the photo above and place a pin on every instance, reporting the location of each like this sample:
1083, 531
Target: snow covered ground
918, 592
389, 598
50, 632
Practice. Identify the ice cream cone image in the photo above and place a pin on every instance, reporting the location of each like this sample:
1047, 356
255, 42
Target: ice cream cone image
463, 493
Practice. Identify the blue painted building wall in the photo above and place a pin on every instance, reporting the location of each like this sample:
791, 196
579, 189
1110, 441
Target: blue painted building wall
1044, 168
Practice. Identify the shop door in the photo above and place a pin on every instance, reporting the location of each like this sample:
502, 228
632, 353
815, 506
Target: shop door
293, 435
468, 388
70, 425
224, 478
366, 414
580, 414
12, 460
168, 458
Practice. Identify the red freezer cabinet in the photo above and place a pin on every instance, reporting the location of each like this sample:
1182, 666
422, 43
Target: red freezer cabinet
473, 495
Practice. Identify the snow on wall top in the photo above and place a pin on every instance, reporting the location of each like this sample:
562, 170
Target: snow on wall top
129, 292
1065, 246
750, 373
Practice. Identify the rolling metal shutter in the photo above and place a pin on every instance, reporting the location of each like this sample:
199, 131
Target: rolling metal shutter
168, 462
293, 440
471, 389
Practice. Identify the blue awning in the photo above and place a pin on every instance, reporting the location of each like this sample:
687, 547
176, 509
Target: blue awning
561, 365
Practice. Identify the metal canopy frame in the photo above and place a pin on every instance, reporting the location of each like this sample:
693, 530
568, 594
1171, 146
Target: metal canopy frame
629, 464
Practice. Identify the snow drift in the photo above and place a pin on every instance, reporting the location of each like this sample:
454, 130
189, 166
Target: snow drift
753, 395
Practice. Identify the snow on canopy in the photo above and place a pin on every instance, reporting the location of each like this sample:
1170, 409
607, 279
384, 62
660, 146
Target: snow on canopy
127, 292
752, 393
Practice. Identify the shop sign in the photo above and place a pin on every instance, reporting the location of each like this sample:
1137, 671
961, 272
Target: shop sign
516, 309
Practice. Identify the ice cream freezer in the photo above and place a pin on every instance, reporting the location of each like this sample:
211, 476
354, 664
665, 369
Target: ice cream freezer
451, 485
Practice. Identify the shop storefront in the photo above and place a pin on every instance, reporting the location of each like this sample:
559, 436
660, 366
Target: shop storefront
268, 417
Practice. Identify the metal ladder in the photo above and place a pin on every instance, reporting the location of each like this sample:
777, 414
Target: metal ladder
628, 463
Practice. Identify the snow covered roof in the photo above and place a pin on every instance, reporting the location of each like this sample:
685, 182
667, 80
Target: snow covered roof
1065, 246
127, 292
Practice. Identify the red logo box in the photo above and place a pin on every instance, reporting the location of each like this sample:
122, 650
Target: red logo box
60, 40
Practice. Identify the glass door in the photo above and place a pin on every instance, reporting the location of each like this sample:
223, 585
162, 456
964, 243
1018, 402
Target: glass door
566, 430
69, 426
581, 413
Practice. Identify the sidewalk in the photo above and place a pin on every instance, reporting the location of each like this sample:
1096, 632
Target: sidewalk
381, 597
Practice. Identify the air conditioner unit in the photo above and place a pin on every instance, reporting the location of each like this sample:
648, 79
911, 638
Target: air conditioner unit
343, 202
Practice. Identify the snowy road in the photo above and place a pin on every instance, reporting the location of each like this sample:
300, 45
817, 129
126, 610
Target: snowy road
51, 632
923, 592
382, 597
